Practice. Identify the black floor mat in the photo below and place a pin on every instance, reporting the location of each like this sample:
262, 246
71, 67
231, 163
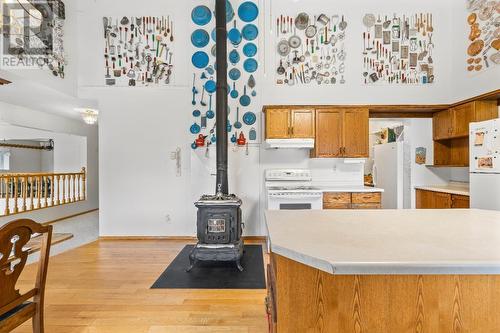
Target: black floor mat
208, 275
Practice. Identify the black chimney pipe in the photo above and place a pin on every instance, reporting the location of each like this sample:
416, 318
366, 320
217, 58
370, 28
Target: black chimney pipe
221, 102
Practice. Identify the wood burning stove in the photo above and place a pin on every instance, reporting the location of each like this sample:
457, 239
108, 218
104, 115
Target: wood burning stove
219, 223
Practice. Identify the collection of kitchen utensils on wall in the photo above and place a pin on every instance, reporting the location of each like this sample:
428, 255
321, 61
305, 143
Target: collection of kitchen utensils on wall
242, 68
310, 49
398, 49
138, 50
484, 37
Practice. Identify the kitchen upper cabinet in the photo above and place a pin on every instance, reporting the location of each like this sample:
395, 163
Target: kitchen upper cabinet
329, 134
442, 124
277, 123
341, 133
356, 128
302, 124
462, 115
451, 131
440, 200
454, 122
287, 123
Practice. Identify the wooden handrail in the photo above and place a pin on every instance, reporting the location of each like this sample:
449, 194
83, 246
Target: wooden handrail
23, 192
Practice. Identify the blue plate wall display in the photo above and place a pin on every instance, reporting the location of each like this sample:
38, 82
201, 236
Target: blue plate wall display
242, 53
250, 32
200, 38
250, 65
201, 15
250, 50
248, 11
200, 59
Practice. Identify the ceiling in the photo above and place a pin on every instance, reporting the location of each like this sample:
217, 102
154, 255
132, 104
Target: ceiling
32, 95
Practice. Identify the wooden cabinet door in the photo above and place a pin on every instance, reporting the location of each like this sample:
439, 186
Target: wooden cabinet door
302, 124
442, 125
433, 200
355, 130
424, 199
462, 116
441, 200
460, 201
328, 133
277, 124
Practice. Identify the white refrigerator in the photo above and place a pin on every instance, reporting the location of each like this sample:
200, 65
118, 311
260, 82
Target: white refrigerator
388, 173
485, 165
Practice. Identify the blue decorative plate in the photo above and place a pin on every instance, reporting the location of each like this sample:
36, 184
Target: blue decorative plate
200, 59
250, 50
234, 35
234, 74
214, 35
250, 65
200, 38
195, 128
201, 15
250, 32
210, 86
248, 11
249, 118
234, 57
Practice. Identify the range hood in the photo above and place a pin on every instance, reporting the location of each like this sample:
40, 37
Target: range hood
289, 144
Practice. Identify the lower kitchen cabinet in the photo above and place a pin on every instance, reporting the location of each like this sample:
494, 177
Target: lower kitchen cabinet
440, 200
347, 200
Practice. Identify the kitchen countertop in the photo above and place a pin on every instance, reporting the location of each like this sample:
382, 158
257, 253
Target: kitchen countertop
353, 189
371, 242
451, 188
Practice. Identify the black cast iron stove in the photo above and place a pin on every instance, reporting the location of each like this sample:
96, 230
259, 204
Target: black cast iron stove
219, 223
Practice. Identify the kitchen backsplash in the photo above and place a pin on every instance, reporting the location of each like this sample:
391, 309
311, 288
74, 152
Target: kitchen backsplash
337, 172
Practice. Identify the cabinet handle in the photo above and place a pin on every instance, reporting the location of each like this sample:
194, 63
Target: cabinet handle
292, 130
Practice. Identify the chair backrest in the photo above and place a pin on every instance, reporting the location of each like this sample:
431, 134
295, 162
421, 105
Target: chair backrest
13, 237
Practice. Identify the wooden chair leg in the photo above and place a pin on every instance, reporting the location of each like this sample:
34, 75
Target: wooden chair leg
38, 321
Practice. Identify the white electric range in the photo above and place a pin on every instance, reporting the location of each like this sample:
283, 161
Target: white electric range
291, 189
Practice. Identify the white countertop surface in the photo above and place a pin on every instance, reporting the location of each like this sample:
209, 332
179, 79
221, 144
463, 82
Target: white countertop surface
354, 189
452, 188
459, 241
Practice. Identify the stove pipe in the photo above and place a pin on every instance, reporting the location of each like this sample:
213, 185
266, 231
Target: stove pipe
221, 102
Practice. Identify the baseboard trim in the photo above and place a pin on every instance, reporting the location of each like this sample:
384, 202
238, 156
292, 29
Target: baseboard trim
69, 217
169, 238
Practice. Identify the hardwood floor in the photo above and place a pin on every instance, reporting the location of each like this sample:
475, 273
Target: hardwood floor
103, 287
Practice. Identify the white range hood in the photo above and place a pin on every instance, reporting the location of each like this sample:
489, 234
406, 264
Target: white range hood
289, 144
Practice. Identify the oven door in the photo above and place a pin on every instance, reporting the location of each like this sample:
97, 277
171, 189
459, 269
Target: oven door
295, 200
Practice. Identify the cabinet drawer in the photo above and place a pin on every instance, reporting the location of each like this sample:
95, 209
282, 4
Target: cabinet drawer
367, 206
361, 198
337, 198
328, 205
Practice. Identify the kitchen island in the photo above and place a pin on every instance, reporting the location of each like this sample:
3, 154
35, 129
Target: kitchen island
381, 271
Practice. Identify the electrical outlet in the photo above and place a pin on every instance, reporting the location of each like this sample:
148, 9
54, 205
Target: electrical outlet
168, 219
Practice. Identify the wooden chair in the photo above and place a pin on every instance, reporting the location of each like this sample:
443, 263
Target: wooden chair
15, 308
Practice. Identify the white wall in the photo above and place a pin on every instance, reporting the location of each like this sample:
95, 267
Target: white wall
465, 84
139, 127
21, 120
24, 160
68, 85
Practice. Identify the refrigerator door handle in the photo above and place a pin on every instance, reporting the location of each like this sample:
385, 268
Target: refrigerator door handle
374, 175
